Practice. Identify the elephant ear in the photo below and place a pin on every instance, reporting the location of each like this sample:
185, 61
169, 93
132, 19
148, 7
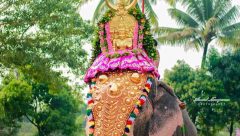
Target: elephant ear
166, 116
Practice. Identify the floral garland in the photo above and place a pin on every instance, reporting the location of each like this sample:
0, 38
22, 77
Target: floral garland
123, 53
90, 103
145, 38
138, 106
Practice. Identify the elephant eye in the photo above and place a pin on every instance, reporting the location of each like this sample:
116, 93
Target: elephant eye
103, 78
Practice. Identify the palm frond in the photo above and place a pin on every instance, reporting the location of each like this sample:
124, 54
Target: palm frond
165, 30
207, 9
230, 35
194, 8
221, 7
171, 2
229, 41
193, 43
231, 28
178, 37
98, 11
184, 42
152, 16
182, 18
229, 17
153, 2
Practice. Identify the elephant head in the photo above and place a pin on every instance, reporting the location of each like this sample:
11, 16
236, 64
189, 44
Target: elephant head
163, 115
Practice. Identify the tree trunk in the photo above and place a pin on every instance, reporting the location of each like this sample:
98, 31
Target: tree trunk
40, 132
231, 128
204, 54
194, 119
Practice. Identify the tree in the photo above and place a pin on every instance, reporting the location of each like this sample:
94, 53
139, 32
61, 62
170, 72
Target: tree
203, 22
53, 112
48, 111
220, 80
15, 96
179, 77
192, 85
226, 68
37, 36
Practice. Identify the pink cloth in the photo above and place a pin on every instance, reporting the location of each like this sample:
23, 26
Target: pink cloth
138, 62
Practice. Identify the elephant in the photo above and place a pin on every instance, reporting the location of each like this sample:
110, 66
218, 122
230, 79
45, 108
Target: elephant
125, 98
163, 115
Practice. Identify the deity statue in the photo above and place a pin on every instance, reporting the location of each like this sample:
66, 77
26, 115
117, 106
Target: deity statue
122, 26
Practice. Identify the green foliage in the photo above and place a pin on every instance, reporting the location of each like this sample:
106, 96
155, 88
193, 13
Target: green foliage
48, 111
38, 35
35, 38
203, 22
219, 81
226, 68
191, 85
15, 96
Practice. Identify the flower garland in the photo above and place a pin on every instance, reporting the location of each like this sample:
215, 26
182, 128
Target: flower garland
102, 42
90, 103
141, 35
123, 53
138, 106
145, 38
108, 37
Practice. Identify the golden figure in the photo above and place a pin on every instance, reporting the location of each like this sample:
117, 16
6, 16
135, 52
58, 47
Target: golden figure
122, 25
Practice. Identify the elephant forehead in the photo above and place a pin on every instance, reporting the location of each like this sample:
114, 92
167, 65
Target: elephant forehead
114, 100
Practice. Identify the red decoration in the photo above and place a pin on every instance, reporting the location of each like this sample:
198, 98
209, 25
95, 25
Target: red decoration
148, 86
91, 101
142, 101
129, 122
143, 6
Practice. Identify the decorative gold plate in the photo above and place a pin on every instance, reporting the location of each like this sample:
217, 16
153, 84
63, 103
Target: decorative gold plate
114, 96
